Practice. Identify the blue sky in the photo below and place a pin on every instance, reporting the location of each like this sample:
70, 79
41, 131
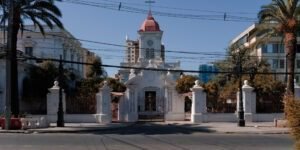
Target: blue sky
191, 35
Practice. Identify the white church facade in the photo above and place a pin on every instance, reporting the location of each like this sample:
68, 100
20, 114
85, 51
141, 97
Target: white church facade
150, 87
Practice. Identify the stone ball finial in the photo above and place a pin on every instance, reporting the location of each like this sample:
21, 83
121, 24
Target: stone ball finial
169, 72
105, 83
151, 61
56, 83
197, 86
246, 82
132, 71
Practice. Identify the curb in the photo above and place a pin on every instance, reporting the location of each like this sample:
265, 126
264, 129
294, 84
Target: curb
214, 130
72, 130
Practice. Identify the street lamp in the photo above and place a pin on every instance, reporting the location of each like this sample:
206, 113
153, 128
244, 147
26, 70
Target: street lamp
60, 113
241, 117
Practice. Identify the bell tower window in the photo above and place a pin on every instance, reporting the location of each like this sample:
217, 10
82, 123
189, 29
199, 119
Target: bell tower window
149, 53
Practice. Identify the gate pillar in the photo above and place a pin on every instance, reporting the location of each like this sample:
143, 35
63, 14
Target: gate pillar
249, 102
103, 104
131, 104
52, 102
174, 105
199, 109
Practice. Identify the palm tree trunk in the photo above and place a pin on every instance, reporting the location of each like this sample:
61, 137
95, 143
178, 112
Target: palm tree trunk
14, 65
290, 42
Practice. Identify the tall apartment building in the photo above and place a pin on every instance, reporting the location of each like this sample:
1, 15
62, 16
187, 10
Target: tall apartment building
132, 51
207, 73
272, 51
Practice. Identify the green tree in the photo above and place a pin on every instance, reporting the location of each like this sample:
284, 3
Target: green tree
95, 70
36, 85
280, 18
38, 11
185, 83
116, 85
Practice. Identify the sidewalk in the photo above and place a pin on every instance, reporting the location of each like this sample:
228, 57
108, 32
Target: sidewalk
212, 127
227, 127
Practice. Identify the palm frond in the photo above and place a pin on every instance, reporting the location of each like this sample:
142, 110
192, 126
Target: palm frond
282, 7
293, 5
42, 5
36, 22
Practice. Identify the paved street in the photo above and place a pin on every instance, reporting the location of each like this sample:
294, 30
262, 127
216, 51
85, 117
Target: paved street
146, 136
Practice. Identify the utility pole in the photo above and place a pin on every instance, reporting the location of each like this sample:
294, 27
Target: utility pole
60, 113
241, 117
9, 64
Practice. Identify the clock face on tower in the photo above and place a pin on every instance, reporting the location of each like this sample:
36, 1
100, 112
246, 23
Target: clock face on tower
150, 42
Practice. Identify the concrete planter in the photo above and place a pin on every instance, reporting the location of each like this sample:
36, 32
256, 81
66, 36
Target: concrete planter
15, 123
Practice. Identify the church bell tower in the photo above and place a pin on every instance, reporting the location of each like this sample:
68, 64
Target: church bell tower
150, 37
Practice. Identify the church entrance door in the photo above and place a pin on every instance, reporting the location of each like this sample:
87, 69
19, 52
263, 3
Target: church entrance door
150, 101
152, 110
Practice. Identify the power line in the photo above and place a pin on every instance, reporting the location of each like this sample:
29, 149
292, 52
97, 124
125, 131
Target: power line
130, 9
168, 51
154, 69
184, 9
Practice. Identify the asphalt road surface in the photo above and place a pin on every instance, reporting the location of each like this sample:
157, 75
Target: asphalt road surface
146, 137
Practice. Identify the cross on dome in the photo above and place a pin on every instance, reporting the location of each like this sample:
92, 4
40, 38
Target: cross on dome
150, 24
150, 2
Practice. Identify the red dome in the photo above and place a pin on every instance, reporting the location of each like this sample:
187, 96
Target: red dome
149, 24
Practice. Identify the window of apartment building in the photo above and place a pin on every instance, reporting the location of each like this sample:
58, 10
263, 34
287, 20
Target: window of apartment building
281, 63
298, 63
298, 48
264, 48
64, 54
274, 63
72, 59
281, 48
29, 51
275, 48
78, 65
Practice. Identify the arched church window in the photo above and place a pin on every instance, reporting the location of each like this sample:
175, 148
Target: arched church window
149, 53
152, 53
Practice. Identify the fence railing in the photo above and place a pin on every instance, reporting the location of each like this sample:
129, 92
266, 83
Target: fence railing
81, 105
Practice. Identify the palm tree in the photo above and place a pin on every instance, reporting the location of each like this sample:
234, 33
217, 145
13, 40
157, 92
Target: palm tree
280, 18
39, 12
